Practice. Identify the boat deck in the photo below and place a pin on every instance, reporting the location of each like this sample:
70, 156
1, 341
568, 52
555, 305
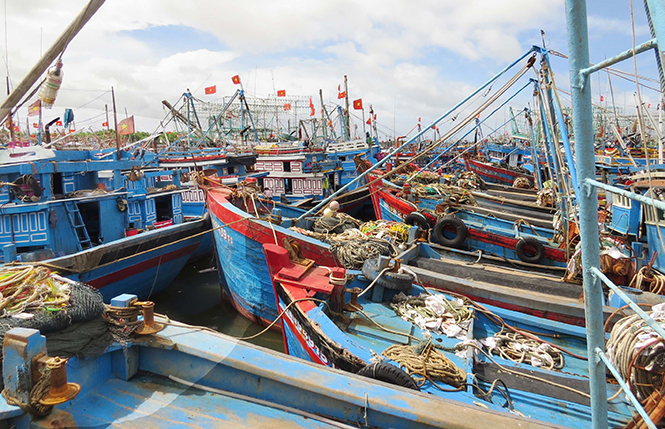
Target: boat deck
147, 401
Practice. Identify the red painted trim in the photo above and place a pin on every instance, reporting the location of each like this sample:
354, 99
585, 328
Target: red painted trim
262, 233
125, 273
301, 341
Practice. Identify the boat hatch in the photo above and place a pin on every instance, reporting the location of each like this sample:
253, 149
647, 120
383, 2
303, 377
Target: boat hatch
163, 207
90, 215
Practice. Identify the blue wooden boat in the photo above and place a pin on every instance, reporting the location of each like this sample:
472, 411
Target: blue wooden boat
334, 322
183, 376
509, 236
96, 217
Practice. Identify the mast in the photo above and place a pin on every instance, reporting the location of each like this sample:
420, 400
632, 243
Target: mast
115, 121
323, 115
348, 116
51, 54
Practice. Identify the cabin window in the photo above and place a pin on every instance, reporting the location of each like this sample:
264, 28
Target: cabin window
163, 208
287, 166
288, 187
231, 170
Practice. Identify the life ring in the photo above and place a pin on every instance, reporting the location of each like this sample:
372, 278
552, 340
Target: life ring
388, 373
417, 219
446, 227
389, 279
530, 250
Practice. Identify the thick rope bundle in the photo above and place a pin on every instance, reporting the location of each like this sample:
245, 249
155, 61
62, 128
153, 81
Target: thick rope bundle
638, 353
426, 364
649, 280
522, 183
469, 180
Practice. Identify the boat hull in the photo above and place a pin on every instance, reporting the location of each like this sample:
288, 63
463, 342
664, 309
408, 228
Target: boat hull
244, 273
493, 174
143, 264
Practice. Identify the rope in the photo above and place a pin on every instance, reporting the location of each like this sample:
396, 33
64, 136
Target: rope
638, 352
426, 363
520, 349
37, 392
30, 289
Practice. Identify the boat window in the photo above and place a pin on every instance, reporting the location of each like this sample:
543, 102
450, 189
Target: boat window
287, 166
231, 170
288, 187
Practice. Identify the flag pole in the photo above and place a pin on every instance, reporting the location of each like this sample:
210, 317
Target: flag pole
106, 108
348, 114
115, 121
364, 131
27, 126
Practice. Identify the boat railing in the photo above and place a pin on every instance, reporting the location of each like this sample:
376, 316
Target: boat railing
585, 157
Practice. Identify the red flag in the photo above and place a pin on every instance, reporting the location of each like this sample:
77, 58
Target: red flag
358, 104
105, 124
312, 111
375, 116
287, 106
34, 108
16, 128
602, 98
649, 106
419, 119
72, 131
35, 125
236, 79
211, 89
369, 121
58, 123
341, 95
126, 126
281, 93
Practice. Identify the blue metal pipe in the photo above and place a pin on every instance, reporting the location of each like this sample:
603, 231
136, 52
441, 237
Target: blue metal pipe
626, 389
478, 124
656, 9
415, 137
636, 308
641, 198
578, 46
620, 57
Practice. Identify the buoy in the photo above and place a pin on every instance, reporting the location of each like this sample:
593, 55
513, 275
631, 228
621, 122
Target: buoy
49, 89
334, 206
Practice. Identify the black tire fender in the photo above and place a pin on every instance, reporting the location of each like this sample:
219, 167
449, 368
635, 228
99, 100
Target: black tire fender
446, 222
417, 219
389, 279
533, 243
389, 373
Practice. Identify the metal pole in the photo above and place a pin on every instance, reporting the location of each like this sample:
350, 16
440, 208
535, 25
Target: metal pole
534, 153
115, 121
415, 137
578, 47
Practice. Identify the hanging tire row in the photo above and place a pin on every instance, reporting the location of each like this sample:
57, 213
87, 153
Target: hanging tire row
450, 231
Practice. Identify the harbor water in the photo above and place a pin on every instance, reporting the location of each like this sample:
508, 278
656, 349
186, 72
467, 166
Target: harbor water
195, 298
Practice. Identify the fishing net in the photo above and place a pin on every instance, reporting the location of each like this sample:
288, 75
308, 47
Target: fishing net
32, 297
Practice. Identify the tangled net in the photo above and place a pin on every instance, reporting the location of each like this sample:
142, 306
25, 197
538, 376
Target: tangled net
451, 195
353, 242
521, 349
31, 288
435, 313
469, 180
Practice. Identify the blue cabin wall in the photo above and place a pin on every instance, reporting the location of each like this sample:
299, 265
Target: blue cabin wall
112, 221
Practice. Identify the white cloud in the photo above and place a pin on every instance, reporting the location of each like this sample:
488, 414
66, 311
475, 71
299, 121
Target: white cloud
401, 56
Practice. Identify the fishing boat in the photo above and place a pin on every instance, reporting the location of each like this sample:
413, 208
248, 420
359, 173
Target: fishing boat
99, 219
112, 368
448, 347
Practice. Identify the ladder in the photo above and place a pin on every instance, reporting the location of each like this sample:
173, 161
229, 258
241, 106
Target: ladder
76, 221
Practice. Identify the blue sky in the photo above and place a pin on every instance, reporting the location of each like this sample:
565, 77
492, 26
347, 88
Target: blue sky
408, 59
